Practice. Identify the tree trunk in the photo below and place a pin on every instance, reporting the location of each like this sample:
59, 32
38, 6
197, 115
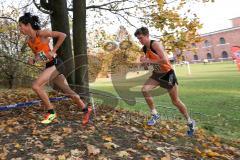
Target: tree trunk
80, 46
10, 81
60, 22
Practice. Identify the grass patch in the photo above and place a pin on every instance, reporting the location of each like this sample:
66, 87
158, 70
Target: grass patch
211, 94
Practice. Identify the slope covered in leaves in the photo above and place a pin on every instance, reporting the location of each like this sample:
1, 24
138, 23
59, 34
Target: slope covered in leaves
113, 134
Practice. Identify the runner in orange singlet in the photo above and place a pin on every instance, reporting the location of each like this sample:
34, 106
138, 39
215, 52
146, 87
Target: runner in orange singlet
162, 75
38, 40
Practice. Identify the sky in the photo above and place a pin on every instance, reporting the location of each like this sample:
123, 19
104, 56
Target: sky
214, 16
217, 15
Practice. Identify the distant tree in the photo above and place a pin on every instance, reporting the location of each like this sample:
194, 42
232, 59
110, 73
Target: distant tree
13, 50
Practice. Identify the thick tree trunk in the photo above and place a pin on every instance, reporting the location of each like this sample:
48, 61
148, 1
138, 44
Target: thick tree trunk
60, 22
80, 46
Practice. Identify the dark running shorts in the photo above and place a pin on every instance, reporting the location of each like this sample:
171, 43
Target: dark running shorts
166, 80
58, 63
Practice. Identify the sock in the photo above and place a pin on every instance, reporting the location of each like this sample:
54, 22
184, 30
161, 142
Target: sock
51, 111
189, 120
154, 111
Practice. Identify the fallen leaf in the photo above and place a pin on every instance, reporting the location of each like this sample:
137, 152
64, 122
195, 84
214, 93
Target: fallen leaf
123, 154
148, 134
44, 156
210, 153
197, 151
67, 130
167, 157
161, 149
110, 145
39, 144
17, 145
50, 151
147, 157
132, 150
103, 118
92, 150
135, 129
56, 138
77, 153
107, 138
61, 157
101, 157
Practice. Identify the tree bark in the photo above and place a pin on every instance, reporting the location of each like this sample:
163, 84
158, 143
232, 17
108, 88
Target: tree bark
80, 46
60, 22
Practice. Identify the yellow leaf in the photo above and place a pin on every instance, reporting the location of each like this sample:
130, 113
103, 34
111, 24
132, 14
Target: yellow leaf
180, 134
173, 139
217, 144
210, 153
197, 151
107, 138
61, 157
67, 130
205, 145
17, 145
10, 130
123, 154
110, 145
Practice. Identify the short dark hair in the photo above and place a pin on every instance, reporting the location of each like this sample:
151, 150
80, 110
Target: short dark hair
143, 30
31, 19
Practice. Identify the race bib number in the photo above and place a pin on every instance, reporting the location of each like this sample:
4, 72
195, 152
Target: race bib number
156, 67
42, 56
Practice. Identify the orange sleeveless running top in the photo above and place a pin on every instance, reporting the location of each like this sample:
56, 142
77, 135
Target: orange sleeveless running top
40, 49
152, 55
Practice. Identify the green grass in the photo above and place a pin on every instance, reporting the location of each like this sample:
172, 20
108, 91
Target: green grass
211, 93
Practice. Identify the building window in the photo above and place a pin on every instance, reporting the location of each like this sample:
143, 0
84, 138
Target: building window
224, 54
222, 40
209, 56
195, 57
206, 43
183, 58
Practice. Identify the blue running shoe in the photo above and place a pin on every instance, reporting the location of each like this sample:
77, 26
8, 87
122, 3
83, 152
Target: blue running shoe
153, 119
191, 130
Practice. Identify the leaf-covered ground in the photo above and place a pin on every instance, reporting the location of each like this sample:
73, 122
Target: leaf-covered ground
113, 134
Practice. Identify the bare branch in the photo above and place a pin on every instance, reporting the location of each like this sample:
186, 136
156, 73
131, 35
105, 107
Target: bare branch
171, 1
38, 6
100, 6
126, 20
116, 13
4, 17
106, 4
26, 5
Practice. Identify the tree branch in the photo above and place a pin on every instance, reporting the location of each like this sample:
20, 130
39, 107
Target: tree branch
122, 17
106, 4
26, 5
38, 6
170, 2
99, 6
4, 17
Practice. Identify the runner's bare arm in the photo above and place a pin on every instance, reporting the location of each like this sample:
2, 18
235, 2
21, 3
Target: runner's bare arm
55, 34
